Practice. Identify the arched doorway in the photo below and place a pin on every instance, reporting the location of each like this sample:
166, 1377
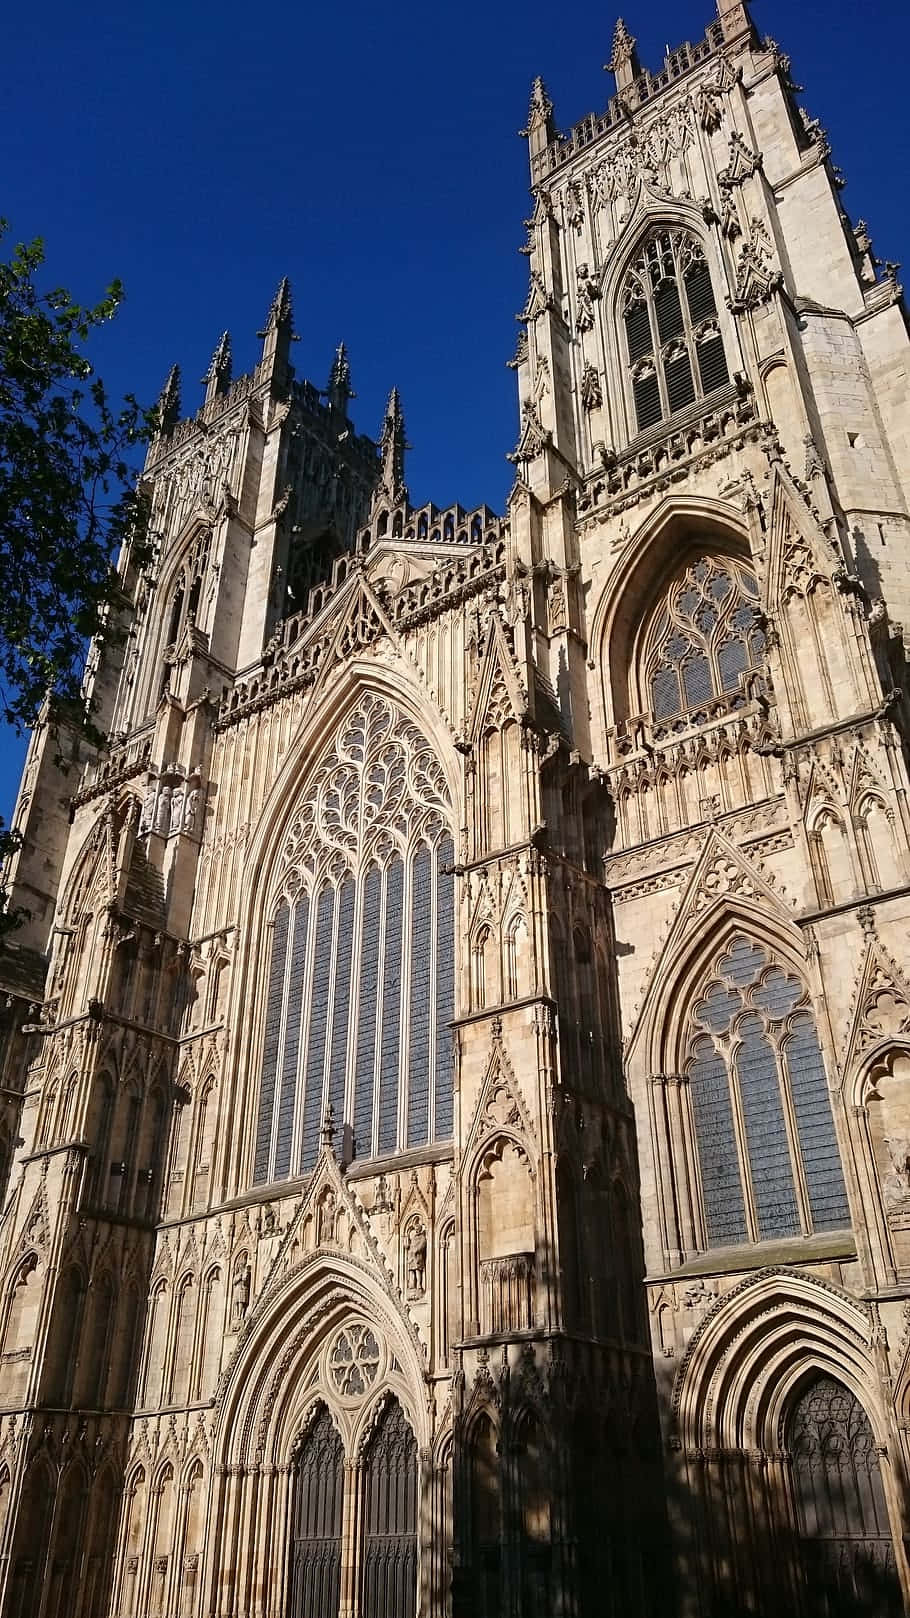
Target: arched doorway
845, 1541
315, 1568
388, 1562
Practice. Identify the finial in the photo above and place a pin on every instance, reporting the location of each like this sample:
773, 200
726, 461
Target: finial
327, 1132
624, 61
218, 376
391, 485
339, 390
541, 128
277, 335
167, 409
280, 312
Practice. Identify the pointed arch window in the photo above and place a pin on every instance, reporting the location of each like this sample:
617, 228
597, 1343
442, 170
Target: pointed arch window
674, 348
769, 1162
359, 985
705, 641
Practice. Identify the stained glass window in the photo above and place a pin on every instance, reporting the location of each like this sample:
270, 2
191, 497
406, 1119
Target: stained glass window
764, 1130
705, 637
359, 985
673, 343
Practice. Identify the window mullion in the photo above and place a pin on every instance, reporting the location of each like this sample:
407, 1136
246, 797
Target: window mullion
658, 353
800, 1182
742, 1146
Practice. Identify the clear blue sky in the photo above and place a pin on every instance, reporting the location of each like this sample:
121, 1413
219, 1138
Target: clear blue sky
200, 152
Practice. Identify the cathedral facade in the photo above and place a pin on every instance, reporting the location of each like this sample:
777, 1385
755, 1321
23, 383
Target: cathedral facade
456, 1089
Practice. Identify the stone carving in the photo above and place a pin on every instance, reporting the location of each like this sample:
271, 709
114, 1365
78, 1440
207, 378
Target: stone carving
586, 291
240, 1292
354, 1361
416, 1259
591, 388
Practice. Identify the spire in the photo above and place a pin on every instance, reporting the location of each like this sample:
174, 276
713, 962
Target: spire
277, 334
624, 61
217, 378
167, 409
392, 445
541, 129
339, 390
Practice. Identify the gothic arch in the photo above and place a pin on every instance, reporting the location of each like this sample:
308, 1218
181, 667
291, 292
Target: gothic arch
657, 1038
755, 1347
270, 1384
309, 753
651, 555
652, 214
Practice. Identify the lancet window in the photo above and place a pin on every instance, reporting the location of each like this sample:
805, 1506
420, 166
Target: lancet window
359, 991
674, 347
705, 642
764, 1130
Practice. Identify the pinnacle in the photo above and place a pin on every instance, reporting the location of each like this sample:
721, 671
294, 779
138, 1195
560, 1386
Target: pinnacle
219, 371
623, 44
168, 406
339, 388
541, 107
280, 308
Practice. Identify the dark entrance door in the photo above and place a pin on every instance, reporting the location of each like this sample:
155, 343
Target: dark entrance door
845, 1538
315, 1582
388, 1566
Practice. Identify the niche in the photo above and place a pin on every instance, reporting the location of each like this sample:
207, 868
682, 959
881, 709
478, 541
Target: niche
505, 1239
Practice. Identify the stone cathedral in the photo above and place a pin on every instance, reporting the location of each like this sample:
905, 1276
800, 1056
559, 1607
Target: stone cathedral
456, 1087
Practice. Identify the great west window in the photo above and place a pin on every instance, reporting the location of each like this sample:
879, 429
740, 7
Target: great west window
674, 348
359, 989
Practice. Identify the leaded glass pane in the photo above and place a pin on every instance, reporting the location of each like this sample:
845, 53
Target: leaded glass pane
815, 1127
292, 1039
366, 1021
391, 1009
419, 1062
319, 1011
665, 693
341, 1006
273, 1007
697, 682
766, 1133
725, 1217
445, 985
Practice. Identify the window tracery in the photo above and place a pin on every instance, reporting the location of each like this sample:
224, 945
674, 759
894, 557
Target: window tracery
705, 640
360, 987
674, 348
764, 1130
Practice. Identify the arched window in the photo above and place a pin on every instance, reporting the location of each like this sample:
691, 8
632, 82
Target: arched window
704, 640
764, 1131
674, 348
359, 991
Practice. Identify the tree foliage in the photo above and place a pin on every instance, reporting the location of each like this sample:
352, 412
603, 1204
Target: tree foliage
68, 494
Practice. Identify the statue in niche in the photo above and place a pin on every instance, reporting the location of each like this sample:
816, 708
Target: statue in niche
163, 812
177, 797
325, 1226
240, 1292
416, 1260
896, 1182
147, 819
269, 1220
192, 809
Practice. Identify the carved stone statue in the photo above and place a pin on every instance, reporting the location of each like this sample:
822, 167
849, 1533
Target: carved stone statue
177, 798
163, 812
416, 1260
896, 1183
240, 1292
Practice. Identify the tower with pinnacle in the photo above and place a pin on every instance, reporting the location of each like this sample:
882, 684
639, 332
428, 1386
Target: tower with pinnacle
456, 1108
